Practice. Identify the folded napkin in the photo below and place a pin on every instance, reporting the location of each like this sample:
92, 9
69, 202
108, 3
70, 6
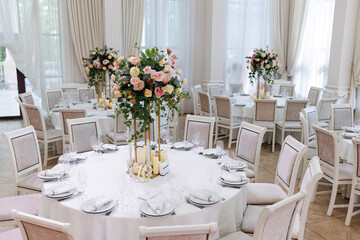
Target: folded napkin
99, 202
350, 129
203, 195
62, 189
233, 177
109, 146
233, 163
179, 145
349, 135
51, 173
156, 204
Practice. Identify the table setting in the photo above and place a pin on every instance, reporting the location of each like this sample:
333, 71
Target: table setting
346, 149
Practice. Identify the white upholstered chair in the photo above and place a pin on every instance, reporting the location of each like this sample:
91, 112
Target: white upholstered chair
291, 155
52, 97
235, 87
80, 132
287, 89
196, 101
334, 172
355, 186
290, 121
44, 135
34, 227
341, 116
25, 158
274, 222
70, 91
69, 113
27, 98
265, 116
248, 147
225, 119
86, 94
314, 95
310, 142
118, 136
22, 111
199, 127
213, 89
324, 111
179, 232
205, 104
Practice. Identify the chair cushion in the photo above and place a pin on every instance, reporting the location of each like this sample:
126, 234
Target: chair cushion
120, 137
249, 173
51, 134
236, 122
265, 124
264, 193
295, 125
251, 217
323, 124
13, 234
237, 236
312, 144
345, 171
31, 182
24, 203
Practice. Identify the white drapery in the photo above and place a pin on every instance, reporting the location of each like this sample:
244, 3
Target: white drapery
312, 65
247, 29
86, 23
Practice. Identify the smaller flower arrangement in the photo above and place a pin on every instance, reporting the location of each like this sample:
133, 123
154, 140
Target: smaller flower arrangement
100, 61
2, 53
263, 63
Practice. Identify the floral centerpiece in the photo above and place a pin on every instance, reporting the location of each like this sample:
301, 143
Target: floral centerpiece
101, 61
262, 64
2, 53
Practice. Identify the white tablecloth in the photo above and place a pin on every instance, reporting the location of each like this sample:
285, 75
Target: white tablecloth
346, 150
102, 172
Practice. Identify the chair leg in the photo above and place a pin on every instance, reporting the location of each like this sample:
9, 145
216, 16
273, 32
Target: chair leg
282, 136
273, 140
216, 132
54, 148
230, 137
351, 207
332, 199
45, 153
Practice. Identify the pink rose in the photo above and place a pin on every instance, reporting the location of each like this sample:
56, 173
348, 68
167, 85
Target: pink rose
270, 56
159, 92
168, 62
134, 80
105, 61
158, 76
139, 85
167, 77
274, 63
116, 87
102, 53
110, 66
262, 63
252, 57
134, 60
116, 66
96, 63
147, 70
112, 77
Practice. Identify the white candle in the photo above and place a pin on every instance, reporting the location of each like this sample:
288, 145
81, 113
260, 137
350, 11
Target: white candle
135, 166
164, 155
140, 155
156, 164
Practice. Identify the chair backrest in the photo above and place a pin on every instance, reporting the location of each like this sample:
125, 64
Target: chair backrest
70, 92
304, 127
53, 97
199, 127
213, 89
329, 94
198, 88
235, 87
205, 104
291, 155
34, 118
34, 227
85, 94
312, 176
27, 98
195, 99
310, 115
80, 132
356, 164
179, 232
23, 111
275, 221
341, 116
265, 110
120, 125
292, 109
248, 144
313, 95
324, 108
24, 151
287, 89
67, 113
223, 107
327, 149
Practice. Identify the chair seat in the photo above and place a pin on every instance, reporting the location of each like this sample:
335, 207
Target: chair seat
13, 234
25, 203
345, 171
32, 182
312, 144
249, 173
323, 124
51, 134
357, 187
237, 236
236, 122
120, 137
292, 125
264, 193
269, 125
251, 217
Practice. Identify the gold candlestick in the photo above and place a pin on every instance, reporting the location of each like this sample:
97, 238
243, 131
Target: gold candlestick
159, 129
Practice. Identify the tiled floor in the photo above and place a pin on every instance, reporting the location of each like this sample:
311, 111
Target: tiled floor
319, 226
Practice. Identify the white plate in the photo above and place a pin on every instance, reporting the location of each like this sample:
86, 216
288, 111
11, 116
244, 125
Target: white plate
168, 208
242, 166
234, 183
47, 178
111, 147
210, 151
61, 195
87, 207
201, 202
142, 143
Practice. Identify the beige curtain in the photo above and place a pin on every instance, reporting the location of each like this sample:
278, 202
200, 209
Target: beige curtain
132, 25
298, 10
279, 24
355, 76
86, 23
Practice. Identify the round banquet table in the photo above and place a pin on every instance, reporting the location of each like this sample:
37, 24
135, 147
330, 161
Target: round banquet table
102, 172
346, 150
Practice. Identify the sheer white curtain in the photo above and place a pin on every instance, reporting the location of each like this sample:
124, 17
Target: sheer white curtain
312, 65
247, 29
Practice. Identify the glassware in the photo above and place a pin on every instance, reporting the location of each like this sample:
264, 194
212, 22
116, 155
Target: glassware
220, 147
121, 188
82, 180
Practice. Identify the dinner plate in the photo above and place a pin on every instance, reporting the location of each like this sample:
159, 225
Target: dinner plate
87, 207
109, 147
234, 183
183, 145
61, 195
167, 209
201, 202
142, 143
42, 176
238, 168
77, 158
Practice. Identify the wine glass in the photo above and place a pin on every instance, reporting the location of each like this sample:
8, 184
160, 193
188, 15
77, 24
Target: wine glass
121, 182
81, 180
219, 147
